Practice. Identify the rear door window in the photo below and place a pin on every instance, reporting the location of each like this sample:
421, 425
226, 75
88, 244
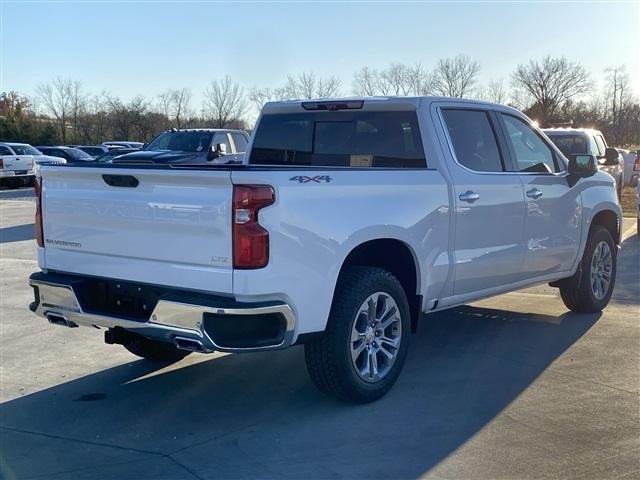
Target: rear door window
473, 140
5, 151
339, 139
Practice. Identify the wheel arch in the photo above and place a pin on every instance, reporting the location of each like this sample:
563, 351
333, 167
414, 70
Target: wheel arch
395, 256
610, 220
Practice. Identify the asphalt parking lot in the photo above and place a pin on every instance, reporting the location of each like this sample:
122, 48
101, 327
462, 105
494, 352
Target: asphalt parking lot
511, 387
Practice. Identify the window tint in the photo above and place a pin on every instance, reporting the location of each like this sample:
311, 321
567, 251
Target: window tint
240, 141
5, 151
601, 145
474, 142
222, 139
341, 139
530, 152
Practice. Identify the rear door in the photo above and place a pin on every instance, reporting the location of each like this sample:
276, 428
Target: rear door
489, 203
159, 226
554, 209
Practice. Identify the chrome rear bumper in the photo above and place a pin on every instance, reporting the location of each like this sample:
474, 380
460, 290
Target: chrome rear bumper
170, 321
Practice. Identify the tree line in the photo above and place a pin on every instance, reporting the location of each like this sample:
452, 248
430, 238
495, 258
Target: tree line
552, 90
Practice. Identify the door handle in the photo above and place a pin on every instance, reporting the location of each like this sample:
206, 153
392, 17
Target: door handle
534, 193
469, 196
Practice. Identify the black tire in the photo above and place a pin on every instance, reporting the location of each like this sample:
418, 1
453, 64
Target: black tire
328, 357
154, 350
576, 292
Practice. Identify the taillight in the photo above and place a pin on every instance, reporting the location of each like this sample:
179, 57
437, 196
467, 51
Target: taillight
1, 163
250, 240
636, 165
37, 190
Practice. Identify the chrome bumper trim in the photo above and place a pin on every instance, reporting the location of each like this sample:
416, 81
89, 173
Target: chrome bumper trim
168, 320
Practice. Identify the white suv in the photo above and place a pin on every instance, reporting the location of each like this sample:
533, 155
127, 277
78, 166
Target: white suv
576, 141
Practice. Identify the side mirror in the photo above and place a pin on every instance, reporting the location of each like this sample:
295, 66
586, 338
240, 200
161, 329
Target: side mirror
221, 149
611, 156
583, 165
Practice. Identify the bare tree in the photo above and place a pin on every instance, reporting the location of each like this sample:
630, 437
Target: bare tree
495, 91
455, 77
63, 99
224, 102
396, 79
165, 106
550, 83
309, 85
617, 96
181, 106
365, 82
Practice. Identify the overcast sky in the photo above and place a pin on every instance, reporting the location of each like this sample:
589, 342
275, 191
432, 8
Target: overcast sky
132, 48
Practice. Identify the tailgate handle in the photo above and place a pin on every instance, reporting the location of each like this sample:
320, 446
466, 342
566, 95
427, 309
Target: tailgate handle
121, 180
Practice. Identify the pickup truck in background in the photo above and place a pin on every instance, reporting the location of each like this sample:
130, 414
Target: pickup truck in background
16, 169
346, 220
192, 146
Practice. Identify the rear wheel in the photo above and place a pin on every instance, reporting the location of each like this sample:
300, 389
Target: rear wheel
153, 350
360, 355
590, 289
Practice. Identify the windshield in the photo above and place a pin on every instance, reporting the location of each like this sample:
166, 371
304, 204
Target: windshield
78, 154
571, 144
25, 150
181, 141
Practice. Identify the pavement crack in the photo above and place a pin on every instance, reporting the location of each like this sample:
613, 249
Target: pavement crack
77, 440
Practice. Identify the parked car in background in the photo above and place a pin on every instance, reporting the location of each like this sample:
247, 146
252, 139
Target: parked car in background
114, 152
629, 157
124, 144
24, 149
347, 220
577, 141
93, 150
202, 145
71, 155
634, 160
15, 169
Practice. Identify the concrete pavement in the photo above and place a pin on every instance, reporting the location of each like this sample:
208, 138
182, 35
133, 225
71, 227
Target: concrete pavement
510, 387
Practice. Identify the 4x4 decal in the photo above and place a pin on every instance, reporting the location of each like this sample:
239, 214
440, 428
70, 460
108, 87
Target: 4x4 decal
316, 179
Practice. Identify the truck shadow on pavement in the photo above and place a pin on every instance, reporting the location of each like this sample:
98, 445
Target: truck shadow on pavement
258, 415
17, 233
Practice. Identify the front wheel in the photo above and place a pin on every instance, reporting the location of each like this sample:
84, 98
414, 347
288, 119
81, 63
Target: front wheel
361, 353
590, 289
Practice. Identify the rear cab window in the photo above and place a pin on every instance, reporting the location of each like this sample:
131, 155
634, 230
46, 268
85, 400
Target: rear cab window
387, 139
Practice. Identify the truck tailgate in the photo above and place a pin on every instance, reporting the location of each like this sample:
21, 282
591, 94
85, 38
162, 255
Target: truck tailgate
169, 227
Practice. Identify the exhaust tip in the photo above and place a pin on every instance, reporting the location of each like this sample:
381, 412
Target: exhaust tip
189, 344
57, 319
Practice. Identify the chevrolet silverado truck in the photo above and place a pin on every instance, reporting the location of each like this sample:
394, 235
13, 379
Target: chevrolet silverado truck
346, 220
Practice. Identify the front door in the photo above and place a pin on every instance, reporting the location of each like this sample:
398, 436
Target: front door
554, 210
489, 204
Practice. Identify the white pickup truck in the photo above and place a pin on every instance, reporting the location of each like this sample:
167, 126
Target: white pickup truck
347, 220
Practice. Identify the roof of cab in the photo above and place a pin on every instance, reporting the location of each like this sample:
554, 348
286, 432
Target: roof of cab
377, 103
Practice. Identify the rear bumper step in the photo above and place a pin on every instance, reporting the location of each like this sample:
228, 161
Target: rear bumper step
199, 324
